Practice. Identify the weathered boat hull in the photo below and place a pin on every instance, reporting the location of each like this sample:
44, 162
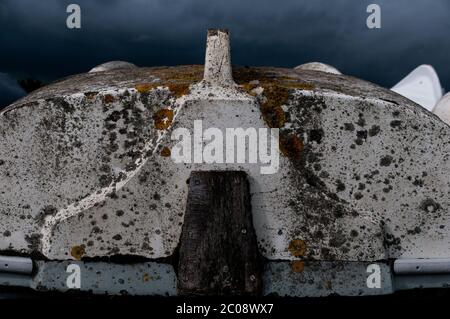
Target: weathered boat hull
86, 167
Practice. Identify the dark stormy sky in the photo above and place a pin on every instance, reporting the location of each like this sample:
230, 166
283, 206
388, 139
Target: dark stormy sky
36, 43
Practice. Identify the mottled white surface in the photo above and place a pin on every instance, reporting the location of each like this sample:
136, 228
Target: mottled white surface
81, 165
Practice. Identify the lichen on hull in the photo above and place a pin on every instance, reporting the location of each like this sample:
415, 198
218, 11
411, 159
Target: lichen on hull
88, 166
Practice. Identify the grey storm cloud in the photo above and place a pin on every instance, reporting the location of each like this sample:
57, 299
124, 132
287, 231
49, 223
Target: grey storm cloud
36, 43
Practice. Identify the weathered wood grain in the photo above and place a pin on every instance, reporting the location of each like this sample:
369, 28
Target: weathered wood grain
218, 251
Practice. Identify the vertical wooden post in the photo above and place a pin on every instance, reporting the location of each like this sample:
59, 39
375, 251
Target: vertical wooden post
218, 252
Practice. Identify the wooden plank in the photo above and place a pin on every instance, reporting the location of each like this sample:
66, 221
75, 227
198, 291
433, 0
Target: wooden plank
218, 251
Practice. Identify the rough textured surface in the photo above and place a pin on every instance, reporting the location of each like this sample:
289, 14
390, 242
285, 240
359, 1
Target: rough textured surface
218, 252
107, 278
364, 173
320, 279
77, 176
140, 279
218, 58
442, 108
406, 282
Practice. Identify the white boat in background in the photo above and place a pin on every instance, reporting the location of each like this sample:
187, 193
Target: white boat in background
318, 66
442, 109
422, 86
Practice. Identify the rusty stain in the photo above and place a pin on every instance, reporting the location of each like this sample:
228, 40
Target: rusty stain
297, 266
291, 146
297, 247
146, 87
186, 74
276, 96
178, 89
328, 285
146, 278
163, 119
177, 79
245, 77
276, 90
299, 85
90, 95
77, 252
165, 152
273, 114
108, 98
249, 87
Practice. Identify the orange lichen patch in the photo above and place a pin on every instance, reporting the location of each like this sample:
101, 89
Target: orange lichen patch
146, 277
297, 266
277, 88
90, 95
77, 252
301, 86
186, 74
291, 146
275, 93
146, 87
245, 75
249, 87
108, 98
178, 89
165, 152
178, 79
271, 109
163, 119
297, 247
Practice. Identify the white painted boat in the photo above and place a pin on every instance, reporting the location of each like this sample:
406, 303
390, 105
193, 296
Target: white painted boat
422, 86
